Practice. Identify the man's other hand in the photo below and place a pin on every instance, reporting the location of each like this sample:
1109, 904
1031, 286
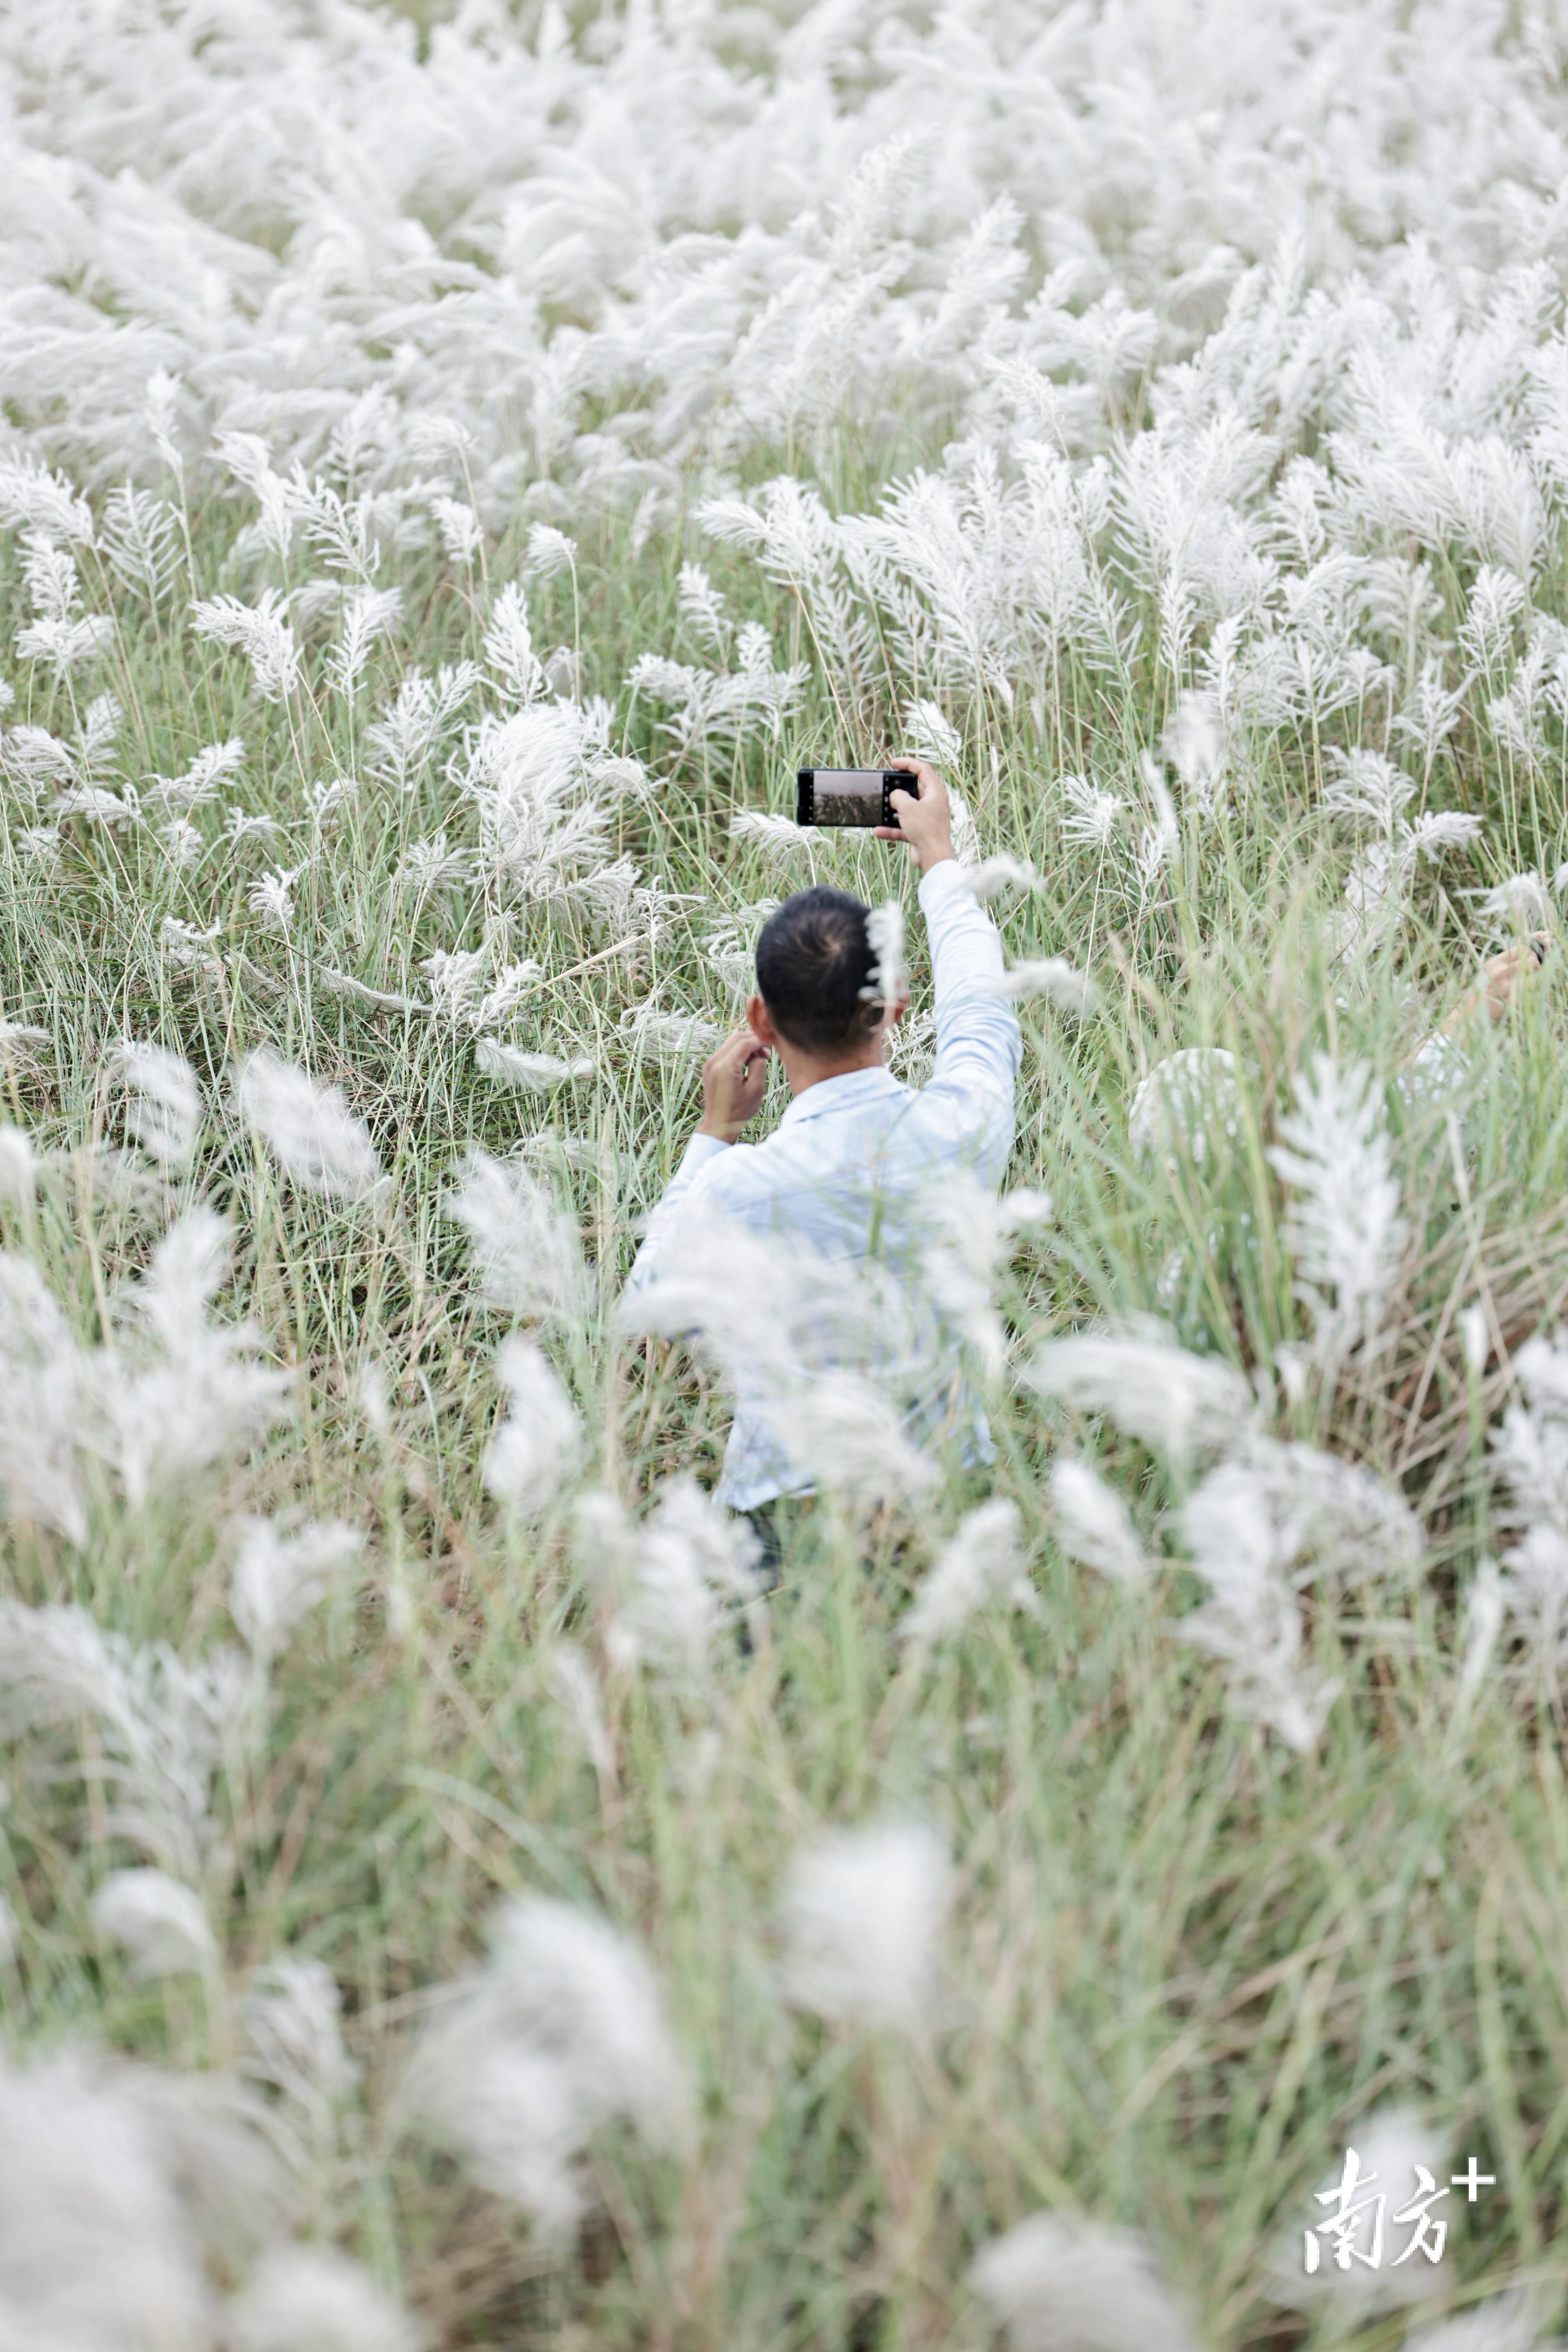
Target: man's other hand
1499, 979
925, 824
734, 1079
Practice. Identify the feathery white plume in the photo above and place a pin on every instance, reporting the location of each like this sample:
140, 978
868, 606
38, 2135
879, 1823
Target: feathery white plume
1344, 1228
1070, 991
277, 1578
1093, 1525
995, 875
164, 1110
863, 1913
563, 2032
983, 1561
1059, 2284
526, 1250
1185, 1104
162, 1925
690, 1570
19, 1167
309, 1129
534, 1451
313, 2299
530, 1073
120, 2182
1174, 1403
888, 985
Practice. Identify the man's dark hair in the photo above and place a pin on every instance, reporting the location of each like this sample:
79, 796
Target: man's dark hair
814, 965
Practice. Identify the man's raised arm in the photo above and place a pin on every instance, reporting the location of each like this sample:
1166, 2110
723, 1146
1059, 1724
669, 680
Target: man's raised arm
978, 1043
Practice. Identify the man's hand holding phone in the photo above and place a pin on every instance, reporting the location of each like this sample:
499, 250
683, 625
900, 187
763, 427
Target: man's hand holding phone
734, 1080
925, 817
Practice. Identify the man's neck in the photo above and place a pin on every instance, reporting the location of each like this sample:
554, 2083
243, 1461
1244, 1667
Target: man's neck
806, 1070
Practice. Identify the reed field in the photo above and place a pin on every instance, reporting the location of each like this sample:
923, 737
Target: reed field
455, 465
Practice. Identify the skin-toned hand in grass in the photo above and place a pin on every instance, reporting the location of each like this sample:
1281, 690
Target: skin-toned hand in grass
1499, 978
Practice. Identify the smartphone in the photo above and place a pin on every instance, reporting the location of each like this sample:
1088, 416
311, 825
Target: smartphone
849, 795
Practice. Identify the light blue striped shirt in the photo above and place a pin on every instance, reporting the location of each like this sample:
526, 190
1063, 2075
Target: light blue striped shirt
854, 1162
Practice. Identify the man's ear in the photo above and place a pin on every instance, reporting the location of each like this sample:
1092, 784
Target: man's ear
761, 1027
895, 1013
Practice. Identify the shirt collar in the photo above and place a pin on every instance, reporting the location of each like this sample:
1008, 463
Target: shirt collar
847, 1092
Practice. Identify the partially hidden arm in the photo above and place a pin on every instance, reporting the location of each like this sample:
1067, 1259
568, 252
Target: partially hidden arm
979, 1044
699, 1153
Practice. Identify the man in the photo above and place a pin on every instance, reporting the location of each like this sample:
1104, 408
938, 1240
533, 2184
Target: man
860, 1163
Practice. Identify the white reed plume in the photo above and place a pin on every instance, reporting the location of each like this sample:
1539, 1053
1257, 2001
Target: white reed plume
1057, 2282
853, 1438
161, 1723
1344, 1228
932, 734
140, 540
1486, 633
1195, 747
779, 838
313, 2299
182, 1391
1486, 1608
1092, 815
509, 646
533, 1073
1521, 902
667, 1039
1070, 991
863, 1913
277, 1578
163, 1106
369, 614
888, 985
1094, 1525
549, 551
1185, 1105
583, 1704
691, 1570
45, 1382
1003, 872
462, 533
541, 781
983, 1561
1252, 1623
423, 709
117, 2182
526, 1250
563, 2032
537, 1448
45, 501
271, 897
1174, 1403
19, 1167
61, 636
309, 1130
293, 2044
260, 632
429, 865
162, 1925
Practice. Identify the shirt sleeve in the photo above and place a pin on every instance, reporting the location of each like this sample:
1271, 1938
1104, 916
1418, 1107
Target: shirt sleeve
699, 1153
979, 1044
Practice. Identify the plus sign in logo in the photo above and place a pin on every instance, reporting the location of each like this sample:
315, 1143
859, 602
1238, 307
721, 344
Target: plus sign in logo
1358, 2228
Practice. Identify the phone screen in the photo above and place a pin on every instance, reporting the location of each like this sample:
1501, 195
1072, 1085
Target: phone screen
855, 796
